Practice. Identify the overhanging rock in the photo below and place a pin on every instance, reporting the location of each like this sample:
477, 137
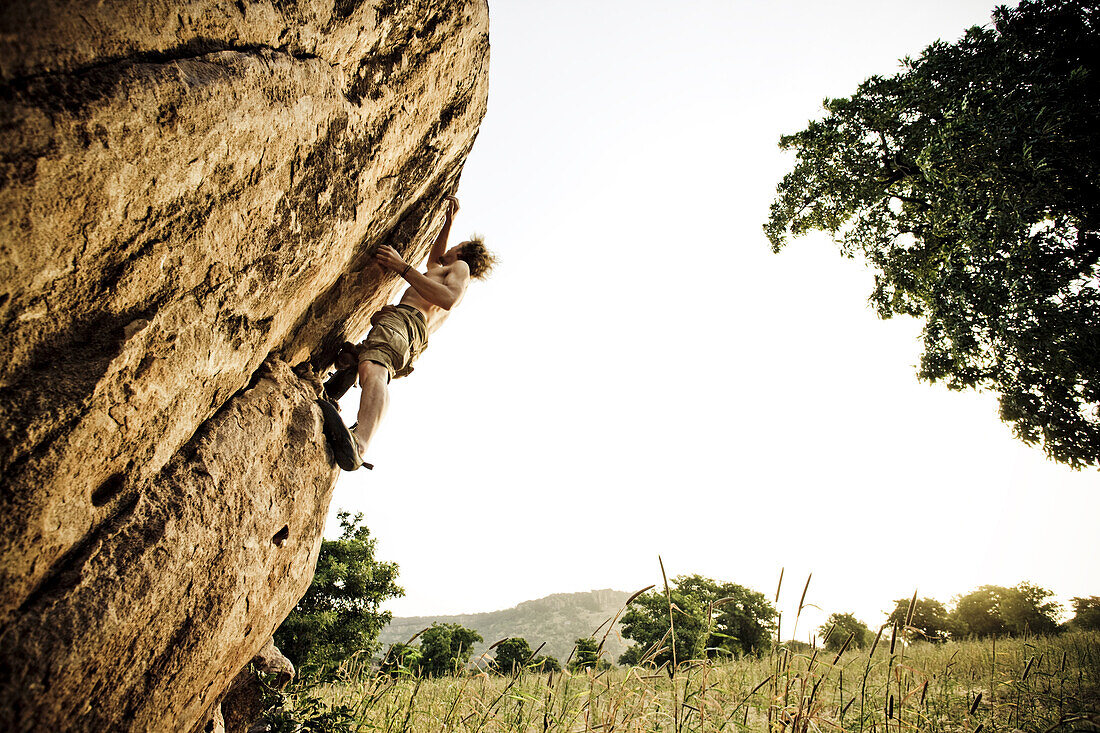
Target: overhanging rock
187, 190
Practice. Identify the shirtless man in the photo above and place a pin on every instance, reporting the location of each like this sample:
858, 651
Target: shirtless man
399, 335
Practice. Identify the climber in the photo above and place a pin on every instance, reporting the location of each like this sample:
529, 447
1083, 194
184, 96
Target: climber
399, 335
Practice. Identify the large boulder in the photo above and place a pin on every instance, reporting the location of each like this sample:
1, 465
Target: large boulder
163, 605
188, 190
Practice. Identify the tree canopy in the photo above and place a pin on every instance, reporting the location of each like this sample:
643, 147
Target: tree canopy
995, 609
400, 659
586, 654
840, 627
930, 620
1086, 613
711, 619
445, 649
970, 183
339, 615
544, 663
512, 655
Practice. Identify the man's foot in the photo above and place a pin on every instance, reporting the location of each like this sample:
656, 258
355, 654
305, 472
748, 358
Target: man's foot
340, 438
347, 357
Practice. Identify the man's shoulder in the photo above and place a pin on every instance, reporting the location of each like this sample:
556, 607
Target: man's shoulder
459, 269
456, 266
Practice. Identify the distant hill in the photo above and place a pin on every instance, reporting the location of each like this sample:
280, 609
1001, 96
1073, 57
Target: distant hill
557, 620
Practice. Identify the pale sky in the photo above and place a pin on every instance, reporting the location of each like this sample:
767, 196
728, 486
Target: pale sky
642, 376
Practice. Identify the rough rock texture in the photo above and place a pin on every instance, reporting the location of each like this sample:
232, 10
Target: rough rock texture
186, 190
243, 704
188, 580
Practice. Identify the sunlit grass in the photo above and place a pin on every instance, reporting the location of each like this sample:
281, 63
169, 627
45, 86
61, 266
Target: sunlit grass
1031, 684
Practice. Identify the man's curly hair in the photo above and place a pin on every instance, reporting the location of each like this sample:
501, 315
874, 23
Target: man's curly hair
480, 259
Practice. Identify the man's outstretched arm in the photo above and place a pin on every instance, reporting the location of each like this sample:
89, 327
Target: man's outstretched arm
439, 246
443, 295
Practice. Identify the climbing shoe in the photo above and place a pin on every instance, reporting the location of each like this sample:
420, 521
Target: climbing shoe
340, 382
346, 372
340, 438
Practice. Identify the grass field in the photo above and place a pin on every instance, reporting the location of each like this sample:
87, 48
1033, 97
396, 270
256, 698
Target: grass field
1030, 684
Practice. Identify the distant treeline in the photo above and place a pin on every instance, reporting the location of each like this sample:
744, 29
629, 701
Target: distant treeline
700, 618
991, 610
694, 618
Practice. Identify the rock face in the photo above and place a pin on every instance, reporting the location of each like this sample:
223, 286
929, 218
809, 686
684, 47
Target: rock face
187, 191
188, 579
